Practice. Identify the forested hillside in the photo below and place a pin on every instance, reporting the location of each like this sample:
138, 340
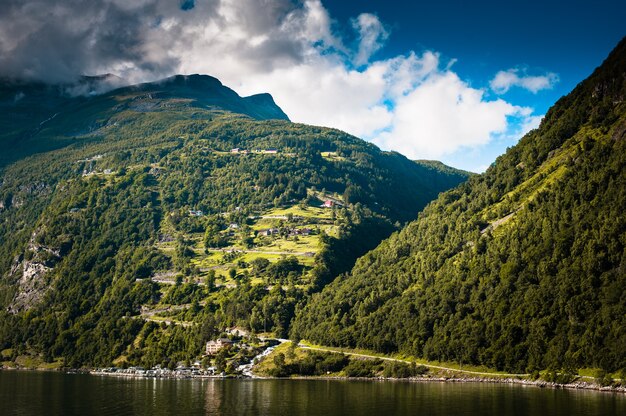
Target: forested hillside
522, 268
138, 224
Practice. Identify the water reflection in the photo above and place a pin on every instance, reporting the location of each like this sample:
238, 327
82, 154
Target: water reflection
27, 393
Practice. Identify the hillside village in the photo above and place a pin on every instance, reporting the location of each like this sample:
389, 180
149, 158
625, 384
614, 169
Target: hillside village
241, 239
233, 354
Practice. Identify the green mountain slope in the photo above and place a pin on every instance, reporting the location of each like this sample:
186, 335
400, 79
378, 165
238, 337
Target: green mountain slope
179, 201
36, 117
521, 268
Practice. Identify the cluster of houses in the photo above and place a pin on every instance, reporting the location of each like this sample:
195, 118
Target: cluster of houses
195, 371
90, 171
237, 150
292, 232
269, 232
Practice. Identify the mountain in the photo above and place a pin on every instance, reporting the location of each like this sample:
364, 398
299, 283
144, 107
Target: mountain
178, 201
522, 268
207, 92
37, 117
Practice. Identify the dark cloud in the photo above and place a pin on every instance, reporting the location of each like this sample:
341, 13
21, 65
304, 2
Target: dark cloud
59, 41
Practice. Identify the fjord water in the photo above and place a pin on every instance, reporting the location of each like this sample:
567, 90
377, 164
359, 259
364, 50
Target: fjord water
37, 393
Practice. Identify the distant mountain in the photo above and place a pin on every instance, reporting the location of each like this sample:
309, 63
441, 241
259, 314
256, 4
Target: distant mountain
208, 92
178, 201
522, 268
36, 117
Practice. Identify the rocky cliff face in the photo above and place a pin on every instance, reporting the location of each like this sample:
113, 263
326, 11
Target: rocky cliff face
29, 270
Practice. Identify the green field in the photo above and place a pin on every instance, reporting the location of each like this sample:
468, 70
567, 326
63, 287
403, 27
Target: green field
235, 255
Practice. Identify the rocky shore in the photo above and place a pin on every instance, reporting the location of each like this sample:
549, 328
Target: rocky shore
577, 385
189, 373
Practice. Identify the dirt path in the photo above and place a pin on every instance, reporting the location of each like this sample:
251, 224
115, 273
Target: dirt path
477, 373
169, 322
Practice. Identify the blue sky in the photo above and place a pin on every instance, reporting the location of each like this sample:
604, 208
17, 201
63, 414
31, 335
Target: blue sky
456, 81
569, 39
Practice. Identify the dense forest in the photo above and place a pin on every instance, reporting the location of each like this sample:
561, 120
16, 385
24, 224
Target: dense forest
139, 224
522, 268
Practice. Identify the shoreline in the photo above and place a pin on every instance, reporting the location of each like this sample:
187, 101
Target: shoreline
578, 385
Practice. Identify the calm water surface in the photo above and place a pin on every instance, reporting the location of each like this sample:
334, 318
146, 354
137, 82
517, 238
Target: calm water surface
35, 393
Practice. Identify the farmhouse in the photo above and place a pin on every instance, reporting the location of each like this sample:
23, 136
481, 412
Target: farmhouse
269, 231
299, 231
212, 347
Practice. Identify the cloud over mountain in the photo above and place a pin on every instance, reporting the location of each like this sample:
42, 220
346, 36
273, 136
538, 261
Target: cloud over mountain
413, 102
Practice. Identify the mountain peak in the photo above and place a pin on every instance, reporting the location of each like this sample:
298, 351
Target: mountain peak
209, 91
194, 80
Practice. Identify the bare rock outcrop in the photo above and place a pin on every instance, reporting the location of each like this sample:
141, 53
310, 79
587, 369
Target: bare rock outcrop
29, 271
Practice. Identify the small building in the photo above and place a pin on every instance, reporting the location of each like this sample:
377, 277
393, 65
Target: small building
269, 231
270, 151
196, 213
212, 347
233, 225
328, 204
235, 150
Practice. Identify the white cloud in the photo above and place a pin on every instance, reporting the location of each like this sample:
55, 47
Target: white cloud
515, 77
372, 36
412, 103
443, 114
324, 92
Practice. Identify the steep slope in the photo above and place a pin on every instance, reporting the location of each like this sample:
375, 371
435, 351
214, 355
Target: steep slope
521, 268
179, 201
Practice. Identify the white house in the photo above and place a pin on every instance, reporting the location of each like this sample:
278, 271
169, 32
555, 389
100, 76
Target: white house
212, 347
